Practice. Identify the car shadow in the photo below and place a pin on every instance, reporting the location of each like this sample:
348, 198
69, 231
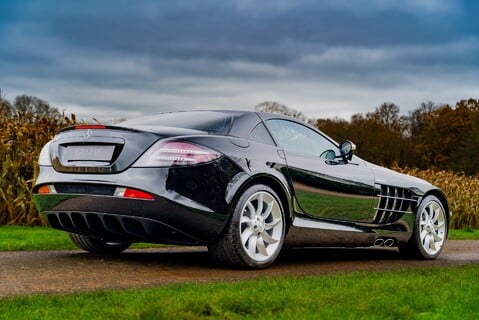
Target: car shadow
199, 257
338, 254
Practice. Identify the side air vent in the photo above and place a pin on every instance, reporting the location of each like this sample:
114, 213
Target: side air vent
393, 203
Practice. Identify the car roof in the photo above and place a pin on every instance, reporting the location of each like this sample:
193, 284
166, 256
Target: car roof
236, 123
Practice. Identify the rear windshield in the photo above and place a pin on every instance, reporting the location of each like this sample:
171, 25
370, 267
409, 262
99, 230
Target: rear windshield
210, 121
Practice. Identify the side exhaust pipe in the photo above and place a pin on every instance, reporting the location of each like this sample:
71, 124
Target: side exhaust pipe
389, 242
385, 242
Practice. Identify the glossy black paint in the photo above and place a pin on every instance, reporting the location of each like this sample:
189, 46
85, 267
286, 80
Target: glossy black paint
327, 201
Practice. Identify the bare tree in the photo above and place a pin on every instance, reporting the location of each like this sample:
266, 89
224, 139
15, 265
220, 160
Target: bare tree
35, 106
5, 106
387, 114
275, 107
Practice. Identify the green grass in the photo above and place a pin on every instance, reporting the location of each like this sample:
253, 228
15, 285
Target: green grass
432, 293
33, 238
15, 238
464, 234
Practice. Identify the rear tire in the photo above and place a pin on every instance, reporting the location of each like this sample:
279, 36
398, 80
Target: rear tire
97, 245
430, 230
254, 235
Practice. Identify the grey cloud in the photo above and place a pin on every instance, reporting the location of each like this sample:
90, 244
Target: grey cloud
221, 31
119, 57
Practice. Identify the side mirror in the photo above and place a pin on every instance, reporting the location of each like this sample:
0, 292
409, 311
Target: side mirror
346, 148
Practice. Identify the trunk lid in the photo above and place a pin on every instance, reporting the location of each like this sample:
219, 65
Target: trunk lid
103, 149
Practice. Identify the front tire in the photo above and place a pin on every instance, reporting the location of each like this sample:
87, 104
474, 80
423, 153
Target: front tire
255, 233
430, 230
96, 245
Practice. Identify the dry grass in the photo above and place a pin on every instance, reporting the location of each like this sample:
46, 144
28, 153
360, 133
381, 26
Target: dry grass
462, 192
21, 139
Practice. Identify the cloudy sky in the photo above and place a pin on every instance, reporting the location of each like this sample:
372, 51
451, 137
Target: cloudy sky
111, 59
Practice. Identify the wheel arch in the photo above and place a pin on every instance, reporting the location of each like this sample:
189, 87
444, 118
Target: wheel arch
442, 197
278, 187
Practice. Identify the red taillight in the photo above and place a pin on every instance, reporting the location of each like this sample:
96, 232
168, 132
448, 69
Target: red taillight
176, 153
181, 153
137, 194
133, 194
90, 126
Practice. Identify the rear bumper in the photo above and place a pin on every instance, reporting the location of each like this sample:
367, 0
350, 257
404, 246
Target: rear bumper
134, 220
189, 205
115, 226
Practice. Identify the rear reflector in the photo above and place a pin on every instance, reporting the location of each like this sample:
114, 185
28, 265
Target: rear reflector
47, 189
133, 194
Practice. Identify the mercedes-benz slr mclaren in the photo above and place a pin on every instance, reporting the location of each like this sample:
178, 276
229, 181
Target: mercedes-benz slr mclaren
244, 184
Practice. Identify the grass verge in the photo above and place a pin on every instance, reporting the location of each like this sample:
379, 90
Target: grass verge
432, 293
464, 234
16, 238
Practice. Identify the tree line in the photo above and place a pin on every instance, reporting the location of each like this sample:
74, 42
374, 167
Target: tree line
432, 136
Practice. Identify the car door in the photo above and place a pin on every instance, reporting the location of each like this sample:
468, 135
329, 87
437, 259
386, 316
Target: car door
325, 185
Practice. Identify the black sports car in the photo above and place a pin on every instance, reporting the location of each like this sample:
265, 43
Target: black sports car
242, 183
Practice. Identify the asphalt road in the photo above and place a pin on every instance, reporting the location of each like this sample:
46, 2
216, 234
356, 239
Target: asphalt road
25, 273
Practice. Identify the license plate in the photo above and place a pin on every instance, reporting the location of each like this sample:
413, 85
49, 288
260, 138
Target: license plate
88, 153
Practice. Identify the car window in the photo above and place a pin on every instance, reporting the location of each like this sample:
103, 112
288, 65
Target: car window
295, 137
261, 134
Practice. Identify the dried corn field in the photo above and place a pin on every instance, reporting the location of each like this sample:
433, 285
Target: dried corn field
21, 139
462, 192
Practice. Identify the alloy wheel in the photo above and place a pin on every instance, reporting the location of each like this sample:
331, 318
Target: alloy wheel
432, 228
261, 226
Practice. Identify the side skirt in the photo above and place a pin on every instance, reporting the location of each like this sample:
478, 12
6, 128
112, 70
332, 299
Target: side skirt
305, 232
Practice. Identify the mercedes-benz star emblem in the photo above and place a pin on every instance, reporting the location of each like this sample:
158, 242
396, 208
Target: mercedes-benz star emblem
88, 134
